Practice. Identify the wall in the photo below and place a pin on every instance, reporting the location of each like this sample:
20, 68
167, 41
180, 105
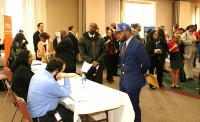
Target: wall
193, 5
95, 12
185, 14
112, 12
164, 14
61, 14
1, 21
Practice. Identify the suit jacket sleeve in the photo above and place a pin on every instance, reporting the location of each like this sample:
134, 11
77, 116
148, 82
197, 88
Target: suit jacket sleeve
35, 40
143, 57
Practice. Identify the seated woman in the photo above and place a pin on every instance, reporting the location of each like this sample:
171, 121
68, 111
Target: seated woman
45, 48
21, 73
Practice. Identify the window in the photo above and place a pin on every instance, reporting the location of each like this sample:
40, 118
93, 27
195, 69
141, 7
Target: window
14, 9
143, 13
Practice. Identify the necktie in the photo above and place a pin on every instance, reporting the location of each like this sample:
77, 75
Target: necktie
123, 51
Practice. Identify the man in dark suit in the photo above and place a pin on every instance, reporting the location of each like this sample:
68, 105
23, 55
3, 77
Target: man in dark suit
72, 36
36, 38
134, 64
64, 50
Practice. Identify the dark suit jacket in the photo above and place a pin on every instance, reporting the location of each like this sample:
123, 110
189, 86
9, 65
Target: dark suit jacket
64, 50
74, 41
134, 66
21, 79
36, 39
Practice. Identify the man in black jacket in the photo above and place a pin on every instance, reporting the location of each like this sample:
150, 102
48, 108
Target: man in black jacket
73, 37
92, 50
36, 38
64, 50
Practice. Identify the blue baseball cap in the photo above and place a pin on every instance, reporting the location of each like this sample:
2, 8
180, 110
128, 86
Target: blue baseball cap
121, 27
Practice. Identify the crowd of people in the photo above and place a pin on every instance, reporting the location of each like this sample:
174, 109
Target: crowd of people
120, 45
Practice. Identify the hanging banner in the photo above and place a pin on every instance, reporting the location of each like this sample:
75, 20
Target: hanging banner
7, 36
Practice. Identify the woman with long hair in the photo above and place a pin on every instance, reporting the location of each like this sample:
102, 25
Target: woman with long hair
21, 73
176, 60
111, 57
17, 45
154, 55
45, 48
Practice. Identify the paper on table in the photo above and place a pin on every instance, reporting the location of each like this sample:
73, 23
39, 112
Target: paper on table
58, 36
86, 66
68, 101
83, 94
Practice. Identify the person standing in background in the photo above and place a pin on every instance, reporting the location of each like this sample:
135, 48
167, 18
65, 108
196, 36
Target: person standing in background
64, 50
72, 36
36, 38
136, 29
92, 50
189, 41
134, 64
45, 48
111, 44
25, 40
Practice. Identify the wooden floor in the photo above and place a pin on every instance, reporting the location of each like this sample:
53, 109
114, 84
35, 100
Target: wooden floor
159, 105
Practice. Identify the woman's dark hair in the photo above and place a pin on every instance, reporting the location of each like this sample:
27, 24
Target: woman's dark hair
151, 33
147, 37
44, 35
161, 33
55, 64
19, 37
22, 59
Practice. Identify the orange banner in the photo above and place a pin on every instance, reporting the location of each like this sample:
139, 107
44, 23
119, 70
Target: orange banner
7, 36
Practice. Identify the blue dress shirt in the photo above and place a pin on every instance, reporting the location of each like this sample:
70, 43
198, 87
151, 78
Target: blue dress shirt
44, 92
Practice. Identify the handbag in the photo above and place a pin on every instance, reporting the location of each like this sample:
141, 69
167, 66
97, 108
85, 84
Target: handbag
182, 75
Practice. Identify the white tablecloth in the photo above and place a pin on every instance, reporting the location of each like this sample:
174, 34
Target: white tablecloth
95, 98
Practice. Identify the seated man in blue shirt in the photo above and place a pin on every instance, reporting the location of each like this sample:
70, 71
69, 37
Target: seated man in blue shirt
44, 92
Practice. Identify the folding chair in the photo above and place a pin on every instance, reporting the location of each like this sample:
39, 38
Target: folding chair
2, 78
23, 109
12, 98
8, 75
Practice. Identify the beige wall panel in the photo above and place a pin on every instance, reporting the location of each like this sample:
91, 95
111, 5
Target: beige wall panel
95, 12
185, 14
112, 12
193, 5
61, 14
164, 14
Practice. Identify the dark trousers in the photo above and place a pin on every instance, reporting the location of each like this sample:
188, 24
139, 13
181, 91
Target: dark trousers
156, 63
163, 57
66, 115
98, 74
116, 62
39, 59
134, 96
110, 67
